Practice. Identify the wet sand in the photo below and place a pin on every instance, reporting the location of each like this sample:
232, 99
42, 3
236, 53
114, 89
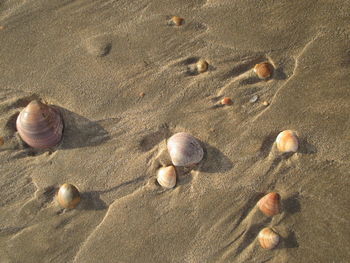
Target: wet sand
93, 59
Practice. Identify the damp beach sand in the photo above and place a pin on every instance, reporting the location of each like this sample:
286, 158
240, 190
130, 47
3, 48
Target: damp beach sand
126, 76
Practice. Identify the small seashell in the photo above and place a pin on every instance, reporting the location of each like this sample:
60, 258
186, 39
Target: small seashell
166, 177
263, 70
226, 101
202, 66
40, 125
268, 238
287, 141
68, 196
184, 149
142, 94
266, 103
178, 21
254, 99
270, 204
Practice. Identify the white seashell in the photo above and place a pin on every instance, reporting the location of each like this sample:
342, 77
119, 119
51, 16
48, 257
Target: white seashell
68, 196
254, 99
184, 149
268, 238
287, 141
166, 177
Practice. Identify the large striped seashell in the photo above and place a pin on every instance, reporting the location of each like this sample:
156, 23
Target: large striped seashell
268, 238
68, 196
166, 177
40, 125
184, 149
287, 141
270, 204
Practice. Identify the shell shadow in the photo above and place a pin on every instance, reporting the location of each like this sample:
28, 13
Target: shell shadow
279, 74
214, 161
305, 147
291, 204
92, 201
243, 67
152, 139
267, 143
250, 81
81, 132
289, 242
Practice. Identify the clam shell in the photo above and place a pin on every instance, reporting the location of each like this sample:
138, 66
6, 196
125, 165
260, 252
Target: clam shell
287, 141
166, 177
178, 21
270, 204
202, 66
40, 125
68, 196
226, 101
268, 238
184, 149
263, 70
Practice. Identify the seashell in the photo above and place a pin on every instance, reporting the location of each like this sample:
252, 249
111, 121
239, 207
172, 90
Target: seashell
266, 103
263, 70
40, 125
254, 99
268, 238
270, 204
226, 101
178, 21
166, 177
287, 141
202, 66
68, 196
184, 149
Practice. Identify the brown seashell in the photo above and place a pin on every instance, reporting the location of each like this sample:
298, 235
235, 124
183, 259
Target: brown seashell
270, 204
226, 101
184, 149
263, 70
202, 66
68, 196
166, 177
40, 125
178, 21
268, 238
287, 141
266, 103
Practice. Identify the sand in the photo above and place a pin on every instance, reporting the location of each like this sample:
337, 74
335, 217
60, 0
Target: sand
93, 59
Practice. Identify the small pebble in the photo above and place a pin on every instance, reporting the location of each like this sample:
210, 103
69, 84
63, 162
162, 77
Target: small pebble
178, 21
1, 27
254, 99
226, 101
142, 94
263, 70
265, 103
202, 66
